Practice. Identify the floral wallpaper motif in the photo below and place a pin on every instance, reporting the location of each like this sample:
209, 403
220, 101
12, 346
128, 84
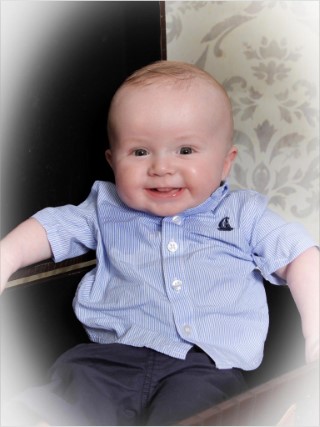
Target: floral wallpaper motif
265, 53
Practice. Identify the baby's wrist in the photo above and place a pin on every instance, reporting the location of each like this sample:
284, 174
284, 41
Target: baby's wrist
312, 348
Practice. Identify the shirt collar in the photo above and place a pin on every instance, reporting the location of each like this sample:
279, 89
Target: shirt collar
211, 203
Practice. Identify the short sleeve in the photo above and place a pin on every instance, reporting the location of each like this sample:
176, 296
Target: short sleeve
71, 230
274, 242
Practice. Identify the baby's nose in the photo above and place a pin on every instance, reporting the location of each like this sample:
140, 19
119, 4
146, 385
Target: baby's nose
161, 165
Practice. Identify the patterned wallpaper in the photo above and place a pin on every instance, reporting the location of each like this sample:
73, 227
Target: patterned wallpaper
265, 53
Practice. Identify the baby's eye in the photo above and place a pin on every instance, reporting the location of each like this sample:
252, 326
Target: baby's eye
140, 152
186, 150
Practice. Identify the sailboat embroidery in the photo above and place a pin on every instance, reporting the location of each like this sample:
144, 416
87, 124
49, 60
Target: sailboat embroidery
224, 224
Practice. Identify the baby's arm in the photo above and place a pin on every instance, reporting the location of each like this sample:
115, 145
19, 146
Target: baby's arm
25, 245
302, 276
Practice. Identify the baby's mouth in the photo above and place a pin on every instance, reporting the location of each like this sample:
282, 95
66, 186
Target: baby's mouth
165, 191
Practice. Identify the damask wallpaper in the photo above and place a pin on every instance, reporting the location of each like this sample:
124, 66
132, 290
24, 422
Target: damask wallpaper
265, 53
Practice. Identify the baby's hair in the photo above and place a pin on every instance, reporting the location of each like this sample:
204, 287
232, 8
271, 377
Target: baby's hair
176, 73
170, 71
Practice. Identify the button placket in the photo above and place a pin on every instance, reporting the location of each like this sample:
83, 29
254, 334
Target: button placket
187, 329
174, 275
177, 285
172, 246
177, 220
173, 263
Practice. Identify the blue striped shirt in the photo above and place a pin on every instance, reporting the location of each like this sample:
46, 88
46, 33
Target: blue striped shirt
169, 283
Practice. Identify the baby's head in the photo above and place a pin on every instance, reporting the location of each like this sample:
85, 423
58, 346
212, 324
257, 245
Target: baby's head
170, 133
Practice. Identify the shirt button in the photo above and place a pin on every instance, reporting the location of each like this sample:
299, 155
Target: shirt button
187, 329
177, 285
172, 246
177, 220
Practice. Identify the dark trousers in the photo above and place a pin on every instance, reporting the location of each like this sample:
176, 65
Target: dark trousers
115, 384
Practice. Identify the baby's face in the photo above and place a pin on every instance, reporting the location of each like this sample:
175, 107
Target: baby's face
171, 146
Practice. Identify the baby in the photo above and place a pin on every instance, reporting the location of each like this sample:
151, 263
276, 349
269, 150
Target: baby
175, 308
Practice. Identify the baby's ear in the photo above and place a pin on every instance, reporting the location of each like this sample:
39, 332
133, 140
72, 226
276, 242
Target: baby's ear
230, 157
108, 155
233, 152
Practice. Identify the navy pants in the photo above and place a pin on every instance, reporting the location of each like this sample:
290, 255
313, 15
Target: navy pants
116, 384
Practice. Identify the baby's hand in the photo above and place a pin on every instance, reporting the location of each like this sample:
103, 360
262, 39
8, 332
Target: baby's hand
5, 271
312, 349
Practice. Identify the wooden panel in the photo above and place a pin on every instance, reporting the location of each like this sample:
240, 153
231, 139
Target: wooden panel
267, 403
